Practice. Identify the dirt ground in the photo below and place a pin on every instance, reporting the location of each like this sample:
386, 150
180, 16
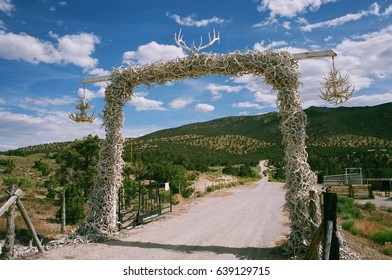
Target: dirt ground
245, 222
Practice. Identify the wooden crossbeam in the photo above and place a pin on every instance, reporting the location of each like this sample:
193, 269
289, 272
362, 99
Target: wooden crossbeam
296, 56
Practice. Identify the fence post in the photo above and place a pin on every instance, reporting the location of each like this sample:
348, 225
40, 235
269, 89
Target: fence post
315, 230
29, 224
8, 250
331, 241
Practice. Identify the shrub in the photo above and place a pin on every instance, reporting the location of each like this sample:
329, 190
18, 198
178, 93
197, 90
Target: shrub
370, 206
176, 199
347, 209
348, 224
387, 251
382, 237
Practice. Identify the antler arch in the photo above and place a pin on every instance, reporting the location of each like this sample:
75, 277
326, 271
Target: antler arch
278, 69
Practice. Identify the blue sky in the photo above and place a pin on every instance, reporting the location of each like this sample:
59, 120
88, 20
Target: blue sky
47, 47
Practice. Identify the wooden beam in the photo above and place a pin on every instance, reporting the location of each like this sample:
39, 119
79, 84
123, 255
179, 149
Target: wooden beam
10, 201
296, 56
91, 80
315, 54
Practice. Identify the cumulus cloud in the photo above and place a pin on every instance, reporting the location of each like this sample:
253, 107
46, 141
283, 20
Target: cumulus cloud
204, 108
75, 49
290, 9
7, 7
152, 52
191, 21
141, 103
366, 57
20, 130
179, 103
217, 90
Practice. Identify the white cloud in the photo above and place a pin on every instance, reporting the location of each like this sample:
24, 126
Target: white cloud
267, 22
7, 7
75, 49
191, 21
290, 9
366, 57
2, 25
373, 10
152, 52
369, 100
388, 11
20, 130
287, 25
260, 46
217, 89
247, 104
46, 101
204, 108
25, 47
141, 103
90, 94
179, 103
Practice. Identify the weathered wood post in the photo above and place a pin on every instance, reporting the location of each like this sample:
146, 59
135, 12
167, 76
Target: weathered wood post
330, 241
8, 250
63, 213
29, 224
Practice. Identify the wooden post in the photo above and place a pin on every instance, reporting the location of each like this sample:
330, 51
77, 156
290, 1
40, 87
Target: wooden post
8, 250
316, 232
331, 241
63, 212
29, 224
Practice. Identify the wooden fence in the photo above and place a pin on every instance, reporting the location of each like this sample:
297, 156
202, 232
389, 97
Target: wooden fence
14, 198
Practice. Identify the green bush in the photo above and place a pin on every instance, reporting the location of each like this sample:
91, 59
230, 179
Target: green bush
347, 209
387, 251
370, 206
348, 224
382, 237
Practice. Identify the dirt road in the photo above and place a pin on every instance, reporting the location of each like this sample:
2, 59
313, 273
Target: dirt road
239, 223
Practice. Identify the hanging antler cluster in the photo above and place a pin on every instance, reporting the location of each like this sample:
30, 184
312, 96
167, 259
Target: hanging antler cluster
337, 88
193, 49
83, 105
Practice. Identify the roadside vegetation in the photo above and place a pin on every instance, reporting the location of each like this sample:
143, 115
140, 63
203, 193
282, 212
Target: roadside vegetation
367, 221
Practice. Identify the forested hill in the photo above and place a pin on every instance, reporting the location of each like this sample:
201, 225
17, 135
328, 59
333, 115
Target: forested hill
337, 138
323, 122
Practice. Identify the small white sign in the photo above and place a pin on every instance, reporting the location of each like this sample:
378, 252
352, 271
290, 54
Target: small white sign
167, 187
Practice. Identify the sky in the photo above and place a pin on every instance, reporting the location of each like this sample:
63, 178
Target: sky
48, 46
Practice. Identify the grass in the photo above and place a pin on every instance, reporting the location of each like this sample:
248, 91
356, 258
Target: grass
366, 221
382, 237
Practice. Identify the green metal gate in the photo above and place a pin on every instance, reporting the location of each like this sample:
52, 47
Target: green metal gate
139, 203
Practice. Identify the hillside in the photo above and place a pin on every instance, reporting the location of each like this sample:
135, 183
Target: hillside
246, 139
337, 138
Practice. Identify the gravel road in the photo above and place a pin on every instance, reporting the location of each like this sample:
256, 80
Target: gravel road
238, 223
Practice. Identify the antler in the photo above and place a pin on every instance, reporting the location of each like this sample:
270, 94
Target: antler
193, 49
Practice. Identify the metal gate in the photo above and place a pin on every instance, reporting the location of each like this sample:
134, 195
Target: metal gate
139, 203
